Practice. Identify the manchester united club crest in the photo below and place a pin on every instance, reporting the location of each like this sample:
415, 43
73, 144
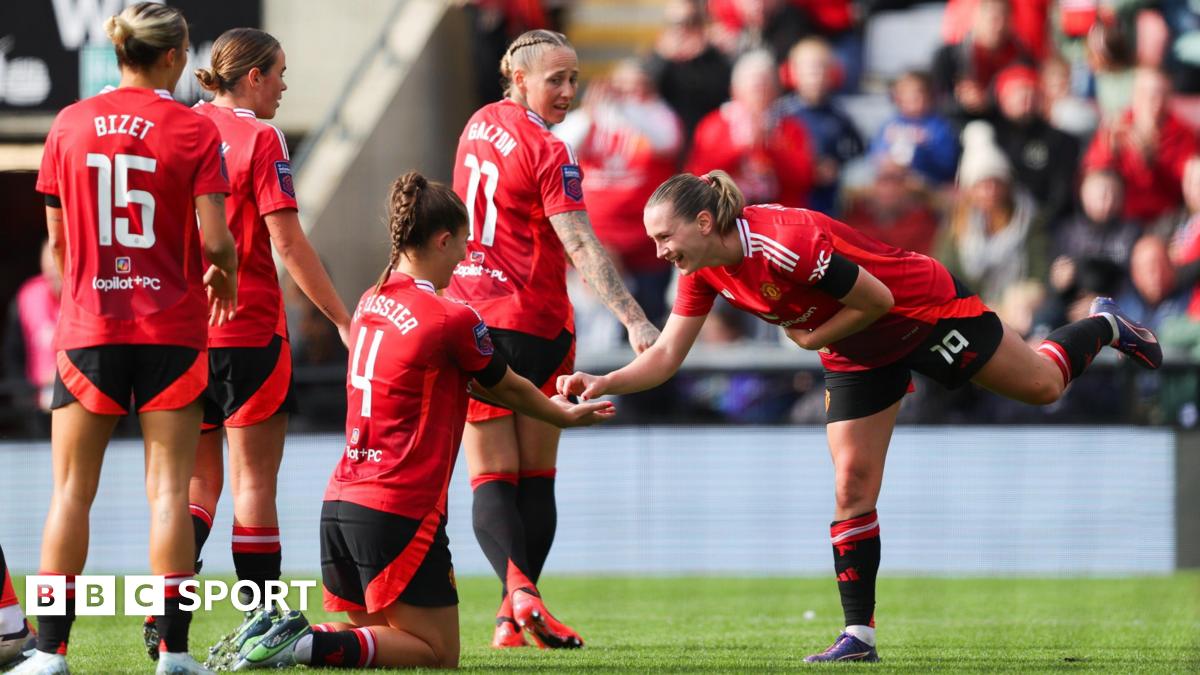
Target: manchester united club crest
770, 291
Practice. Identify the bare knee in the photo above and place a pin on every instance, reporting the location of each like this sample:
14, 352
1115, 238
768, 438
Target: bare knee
448, 660
855, 487
1048, 392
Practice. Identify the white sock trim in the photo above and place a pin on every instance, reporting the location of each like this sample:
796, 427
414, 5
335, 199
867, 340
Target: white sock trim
864, 633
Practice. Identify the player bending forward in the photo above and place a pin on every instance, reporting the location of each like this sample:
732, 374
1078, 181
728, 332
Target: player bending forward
875, 313
385, 558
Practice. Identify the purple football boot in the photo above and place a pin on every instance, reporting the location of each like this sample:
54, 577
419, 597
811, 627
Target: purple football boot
845, 648
1133, 339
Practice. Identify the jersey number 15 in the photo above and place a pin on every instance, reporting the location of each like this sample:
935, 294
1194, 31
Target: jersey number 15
112, 189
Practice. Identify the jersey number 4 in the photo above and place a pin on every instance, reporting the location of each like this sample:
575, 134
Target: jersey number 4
492, 172
112, 189
363, 382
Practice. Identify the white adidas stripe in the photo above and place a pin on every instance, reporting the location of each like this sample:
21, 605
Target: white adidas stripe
774, 257
282, 141
779, 248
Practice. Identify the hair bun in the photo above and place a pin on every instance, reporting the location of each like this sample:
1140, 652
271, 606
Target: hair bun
118, 29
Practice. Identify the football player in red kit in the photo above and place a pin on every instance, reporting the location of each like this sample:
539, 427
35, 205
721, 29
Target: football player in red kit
523, 190
385, 559
875, 313
250, 362
125, 174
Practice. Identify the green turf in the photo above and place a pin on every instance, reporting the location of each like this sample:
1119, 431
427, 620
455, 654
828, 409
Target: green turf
752, 625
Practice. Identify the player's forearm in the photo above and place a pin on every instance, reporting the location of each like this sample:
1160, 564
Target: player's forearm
220, 248
58, 242
592, 261
650, 369
846, 322
303, 263
519, 394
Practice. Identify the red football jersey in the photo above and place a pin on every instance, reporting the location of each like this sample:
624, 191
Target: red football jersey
128, 165
788, 250
260, 181
406, 397
513, 174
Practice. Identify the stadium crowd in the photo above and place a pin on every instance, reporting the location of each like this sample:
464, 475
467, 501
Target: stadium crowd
1046, 154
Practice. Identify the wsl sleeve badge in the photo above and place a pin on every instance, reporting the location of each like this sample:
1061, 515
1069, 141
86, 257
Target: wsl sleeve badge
483, 339
284, 170
572, 177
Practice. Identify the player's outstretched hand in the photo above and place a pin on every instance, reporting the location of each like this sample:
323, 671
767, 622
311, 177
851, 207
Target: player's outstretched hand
581, 384
642, 336
222, 295
585, 414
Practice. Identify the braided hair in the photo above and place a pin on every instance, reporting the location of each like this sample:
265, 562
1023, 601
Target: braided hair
417, 210
522, 53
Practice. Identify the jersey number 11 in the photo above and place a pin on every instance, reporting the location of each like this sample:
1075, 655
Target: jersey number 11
492, 172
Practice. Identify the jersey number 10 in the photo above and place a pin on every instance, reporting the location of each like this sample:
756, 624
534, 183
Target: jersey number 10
363, 382
492, 172
112, 189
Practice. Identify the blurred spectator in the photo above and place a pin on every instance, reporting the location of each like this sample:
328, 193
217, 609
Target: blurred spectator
769, 157
314, 339
991, 241
1060, 106
1111, 61
1043, 158
627, 140
835, 139
1148, 146
917, 137
690, 73
836, 21
1029, 22
740, 26
495, 23
1185, 246
1098, 231
1154, 295
963, 73
29, 332
895, 209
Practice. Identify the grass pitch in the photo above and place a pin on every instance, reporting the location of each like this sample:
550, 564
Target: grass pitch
716, 624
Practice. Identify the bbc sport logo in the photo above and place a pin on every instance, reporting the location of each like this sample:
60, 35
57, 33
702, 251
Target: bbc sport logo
145, 595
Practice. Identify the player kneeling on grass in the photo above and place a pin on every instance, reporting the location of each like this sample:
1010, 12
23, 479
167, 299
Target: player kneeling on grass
385, 558
875, 313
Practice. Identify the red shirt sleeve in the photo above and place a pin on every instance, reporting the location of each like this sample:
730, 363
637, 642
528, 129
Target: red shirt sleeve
467, 338
799, 252
274, 189
211, 175
694, 297
47, 180
560, 179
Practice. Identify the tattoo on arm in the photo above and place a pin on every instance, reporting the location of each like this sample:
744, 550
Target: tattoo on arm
216, 199
592, 261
